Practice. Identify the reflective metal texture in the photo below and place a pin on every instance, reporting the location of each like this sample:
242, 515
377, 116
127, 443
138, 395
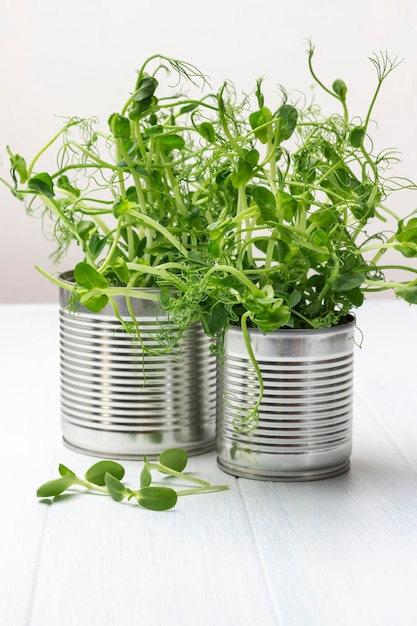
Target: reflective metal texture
305, 424
118, 401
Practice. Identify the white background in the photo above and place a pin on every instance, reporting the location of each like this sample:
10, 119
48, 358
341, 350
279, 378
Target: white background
79, 58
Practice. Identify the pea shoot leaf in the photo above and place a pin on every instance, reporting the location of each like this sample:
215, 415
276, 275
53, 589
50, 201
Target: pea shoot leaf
174, 458
145, 476
88, 277
157, 498
97, 472
116, 489
42, 183
55, 487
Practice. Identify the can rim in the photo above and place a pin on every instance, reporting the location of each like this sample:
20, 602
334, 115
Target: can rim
348, 322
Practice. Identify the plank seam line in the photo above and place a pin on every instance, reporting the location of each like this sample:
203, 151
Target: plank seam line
275, 609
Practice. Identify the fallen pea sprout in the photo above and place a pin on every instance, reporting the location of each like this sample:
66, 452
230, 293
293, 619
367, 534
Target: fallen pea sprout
105, 477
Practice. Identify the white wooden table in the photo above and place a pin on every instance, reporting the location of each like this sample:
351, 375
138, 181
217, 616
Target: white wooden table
341, 551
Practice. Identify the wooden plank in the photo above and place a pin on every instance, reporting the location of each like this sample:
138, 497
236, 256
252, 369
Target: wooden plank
105, 563
28, 430
389, 340
386, 374
344, 551
335, 552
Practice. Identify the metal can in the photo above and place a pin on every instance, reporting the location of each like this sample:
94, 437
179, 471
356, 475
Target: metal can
305, 416
122, 396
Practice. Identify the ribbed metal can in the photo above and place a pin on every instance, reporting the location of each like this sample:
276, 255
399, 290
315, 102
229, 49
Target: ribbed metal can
305, 417
123, 398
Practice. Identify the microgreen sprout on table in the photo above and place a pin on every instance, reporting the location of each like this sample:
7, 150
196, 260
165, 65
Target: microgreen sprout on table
104, 477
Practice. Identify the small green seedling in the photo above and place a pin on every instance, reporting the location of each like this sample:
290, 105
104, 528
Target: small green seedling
105, 477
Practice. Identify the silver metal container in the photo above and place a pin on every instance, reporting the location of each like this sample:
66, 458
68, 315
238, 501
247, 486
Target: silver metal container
118, 400
305, 418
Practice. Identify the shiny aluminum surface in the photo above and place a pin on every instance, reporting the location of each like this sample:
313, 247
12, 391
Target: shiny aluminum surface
118, 401
305, 420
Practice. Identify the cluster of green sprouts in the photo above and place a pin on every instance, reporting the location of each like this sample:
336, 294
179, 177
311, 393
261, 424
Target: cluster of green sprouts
237, 210
127, 195
104, 477
304, 221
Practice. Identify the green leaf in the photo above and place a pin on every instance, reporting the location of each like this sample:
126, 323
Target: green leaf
215, 319
340, 89
121, 270
259, 121
145, 476
174, 458
407, 293
65, 471
324, 217
88, 277
157, 498
121, 206
294, 298
18, 166
140, 108
96, 245
272, 317
196, 257
157, 181
356, 136
55, 487
42, 183
155, 128
93, 301
287, 205
409, 249
252, 157
171, 142
138, 245
119, 126
165, 297
143, 98
407, 232
85, 229
348, 281
265, 201
280, 251
355, 297
287, 116
188, 108
63, 182
146, 88
116, 489
206, 130
97, 472
242, 174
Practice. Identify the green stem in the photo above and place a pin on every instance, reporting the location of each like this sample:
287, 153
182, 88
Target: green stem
224, 124
135, 176
11, 187
160, 271
323, 86
190, 492
90, 486
54, 138
239, 275
397, 267
54, 209
383, 285
108, 260
149, 221
110, 291
167, 470
250, 421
